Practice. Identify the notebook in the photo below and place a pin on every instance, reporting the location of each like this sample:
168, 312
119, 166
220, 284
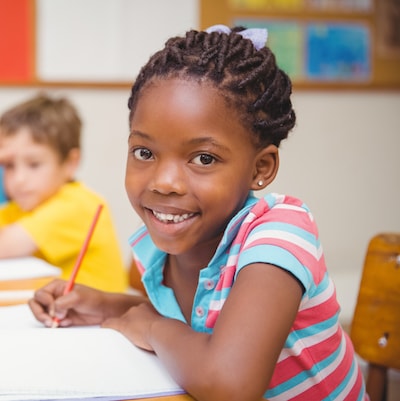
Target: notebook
38, 363
26, 268
20, 277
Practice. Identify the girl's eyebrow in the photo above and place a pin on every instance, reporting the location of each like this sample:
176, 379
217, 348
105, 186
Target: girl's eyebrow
139, 133
205, 140
208, 140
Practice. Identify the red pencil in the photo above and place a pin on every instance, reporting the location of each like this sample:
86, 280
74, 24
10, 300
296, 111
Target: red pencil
78, 263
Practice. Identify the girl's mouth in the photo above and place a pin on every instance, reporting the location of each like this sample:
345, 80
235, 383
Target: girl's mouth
172, 218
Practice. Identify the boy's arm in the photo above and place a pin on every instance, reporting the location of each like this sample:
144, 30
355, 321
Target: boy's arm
15, 242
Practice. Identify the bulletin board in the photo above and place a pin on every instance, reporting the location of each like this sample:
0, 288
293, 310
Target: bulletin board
323, 44
85, 43
17, 41
319, 43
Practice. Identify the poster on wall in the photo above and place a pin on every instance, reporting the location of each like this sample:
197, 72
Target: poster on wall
338, 52
319, 51
308, 5
323, 43
262, 5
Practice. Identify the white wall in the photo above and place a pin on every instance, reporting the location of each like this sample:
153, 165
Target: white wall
342, 159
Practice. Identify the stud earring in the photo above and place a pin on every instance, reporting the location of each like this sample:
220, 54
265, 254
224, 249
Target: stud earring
260, 183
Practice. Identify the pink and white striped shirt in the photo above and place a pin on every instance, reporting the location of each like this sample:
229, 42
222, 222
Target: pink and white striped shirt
317, 361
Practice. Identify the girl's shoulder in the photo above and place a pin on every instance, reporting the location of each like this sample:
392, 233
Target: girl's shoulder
275, 200
280, 208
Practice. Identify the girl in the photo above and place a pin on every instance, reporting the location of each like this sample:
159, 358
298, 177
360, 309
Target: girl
240, 304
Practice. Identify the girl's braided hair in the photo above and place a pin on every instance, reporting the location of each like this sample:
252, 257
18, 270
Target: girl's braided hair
248, 79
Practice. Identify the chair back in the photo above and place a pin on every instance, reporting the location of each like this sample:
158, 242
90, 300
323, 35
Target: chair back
375, 329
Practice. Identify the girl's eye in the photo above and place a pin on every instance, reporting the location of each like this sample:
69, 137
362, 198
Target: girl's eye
204, 159
142, 154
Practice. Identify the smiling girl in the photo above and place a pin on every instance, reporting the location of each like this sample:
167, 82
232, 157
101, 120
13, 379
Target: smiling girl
240, 305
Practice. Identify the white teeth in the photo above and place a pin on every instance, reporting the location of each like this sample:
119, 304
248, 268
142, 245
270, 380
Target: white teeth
172, 218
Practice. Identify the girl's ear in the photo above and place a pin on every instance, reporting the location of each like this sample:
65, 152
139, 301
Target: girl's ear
266, 167
71, 163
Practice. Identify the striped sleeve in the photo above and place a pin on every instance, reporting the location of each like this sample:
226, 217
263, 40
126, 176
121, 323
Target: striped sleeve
317, 361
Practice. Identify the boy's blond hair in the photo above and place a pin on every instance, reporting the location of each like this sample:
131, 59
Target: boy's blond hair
51, 121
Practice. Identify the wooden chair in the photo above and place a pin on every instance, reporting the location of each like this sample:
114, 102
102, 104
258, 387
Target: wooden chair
375, 330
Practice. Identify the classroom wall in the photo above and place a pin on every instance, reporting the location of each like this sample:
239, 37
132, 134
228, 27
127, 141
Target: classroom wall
342, 159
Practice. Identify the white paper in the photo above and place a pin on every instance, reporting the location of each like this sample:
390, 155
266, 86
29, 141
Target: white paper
26, 268
17, 317
77, 364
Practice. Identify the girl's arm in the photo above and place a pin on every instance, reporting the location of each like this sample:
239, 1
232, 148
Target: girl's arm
237, 360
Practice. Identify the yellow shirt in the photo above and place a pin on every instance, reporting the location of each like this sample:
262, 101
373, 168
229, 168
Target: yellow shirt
59, 227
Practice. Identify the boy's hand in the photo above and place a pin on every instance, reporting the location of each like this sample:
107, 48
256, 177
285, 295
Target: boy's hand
80, 307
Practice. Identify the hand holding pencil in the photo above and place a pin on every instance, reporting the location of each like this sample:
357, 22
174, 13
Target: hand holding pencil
64, 303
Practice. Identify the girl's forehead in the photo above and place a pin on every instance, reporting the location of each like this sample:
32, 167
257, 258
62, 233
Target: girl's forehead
176, 100
183, 96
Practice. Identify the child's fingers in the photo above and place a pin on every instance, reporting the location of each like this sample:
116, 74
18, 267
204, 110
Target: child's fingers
42, 303
40, 312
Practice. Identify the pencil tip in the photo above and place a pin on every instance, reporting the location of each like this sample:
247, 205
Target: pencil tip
55, 323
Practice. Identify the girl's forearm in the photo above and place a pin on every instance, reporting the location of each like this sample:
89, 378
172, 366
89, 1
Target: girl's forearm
116, 304
193, 361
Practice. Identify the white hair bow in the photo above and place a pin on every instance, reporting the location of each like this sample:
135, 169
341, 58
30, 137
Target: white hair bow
258, 36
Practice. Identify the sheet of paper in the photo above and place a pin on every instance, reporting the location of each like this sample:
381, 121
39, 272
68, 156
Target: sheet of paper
25, 268
77, 364
17, 317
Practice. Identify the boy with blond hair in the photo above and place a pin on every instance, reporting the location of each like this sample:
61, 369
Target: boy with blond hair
49, 213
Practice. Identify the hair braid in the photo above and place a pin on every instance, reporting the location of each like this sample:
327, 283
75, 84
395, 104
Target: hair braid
248, 79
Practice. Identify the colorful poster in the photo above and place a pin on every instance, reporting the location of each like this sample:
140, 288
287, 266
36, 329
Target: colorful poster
338, 52
341, 5
308, 5
265, 5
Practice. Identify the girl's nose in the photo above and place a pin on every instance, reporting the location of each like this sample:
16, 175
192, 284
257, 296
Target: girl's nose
168, 178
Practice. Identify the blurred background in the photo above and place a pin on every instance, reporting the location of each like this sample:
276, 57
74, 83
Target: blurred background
342, 159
